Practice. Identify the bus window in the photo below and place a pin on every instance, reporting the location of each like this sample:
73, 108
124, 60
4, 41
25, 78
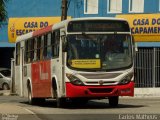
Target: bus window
55, 43
45, 47
26, 49
35, 49
49, 47
56, 46
52, 43
42, 47
38, 47
29, 51
32, 49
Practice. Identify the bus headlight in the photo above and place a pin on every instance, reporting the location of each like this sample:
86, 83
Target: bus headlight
74, 80
126, 79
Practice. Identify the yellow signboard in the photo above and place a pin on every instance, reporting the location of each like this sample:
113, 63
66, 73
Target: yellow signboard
86, 63
20, 26
144, 27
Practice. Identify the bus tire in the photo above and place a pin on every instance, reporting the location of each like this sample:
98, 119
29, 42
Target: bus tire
113, 101
54, 88
31, 100
61, 102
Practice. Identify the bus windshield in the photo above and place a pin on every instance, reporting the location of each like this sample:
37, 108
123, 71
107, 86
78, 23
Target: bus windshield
99, 52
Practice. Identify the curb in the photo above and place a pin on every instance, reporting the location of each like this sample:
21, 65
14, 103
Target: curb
6, 93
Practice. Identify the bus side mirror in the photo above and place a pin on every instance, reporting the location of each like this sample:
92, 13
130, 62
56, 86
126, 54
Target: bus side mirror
135, 48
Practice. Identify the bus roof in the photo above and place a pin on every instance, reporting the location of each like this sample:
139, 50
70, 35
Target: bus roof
61, 25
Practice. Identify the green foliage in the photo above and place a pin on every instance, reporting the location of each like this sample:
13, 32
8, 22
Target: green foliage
3, 12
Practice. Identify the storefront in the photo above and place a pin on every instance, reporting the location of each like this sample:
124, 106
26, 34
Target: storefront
144, 27
17, 27
146, 32
20, 26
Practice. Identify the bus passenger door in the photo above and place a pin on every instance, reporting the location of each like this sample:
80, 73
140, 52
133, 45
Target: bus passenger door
63, 56
58, 65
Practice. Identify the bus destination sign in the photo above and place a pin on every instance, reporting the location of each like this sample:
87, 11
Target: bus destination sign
98, 26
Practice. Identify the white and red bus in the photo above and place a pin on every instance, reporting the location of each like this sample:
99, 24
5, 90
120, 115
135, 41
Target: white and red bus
78, 60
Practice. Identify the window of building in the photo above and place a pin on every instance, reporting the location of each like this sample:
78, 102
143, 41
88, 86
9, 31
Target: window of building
90, 6
114, 6
136, 6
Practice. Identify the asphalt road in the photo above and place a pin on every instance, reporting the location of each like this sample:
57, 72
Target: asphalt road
128, 109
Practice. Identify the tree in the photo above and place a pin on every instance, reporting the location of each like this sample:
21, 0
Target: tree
3, 12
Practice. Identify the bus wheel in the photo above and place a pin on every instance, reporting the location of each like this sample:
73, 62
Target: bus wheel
5, 86
31, 100
61, 102
113, 101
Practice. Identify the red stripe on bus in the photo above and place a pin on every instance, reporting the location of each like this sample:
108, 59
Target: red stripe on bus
73, 91
41, 79
41, 31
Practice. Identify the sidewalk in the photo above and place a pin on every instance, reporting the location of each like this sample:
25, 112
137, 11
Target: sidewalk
4, 92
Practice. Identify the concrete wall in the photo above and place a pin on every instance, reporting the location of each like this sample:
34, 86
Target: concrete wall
147, 92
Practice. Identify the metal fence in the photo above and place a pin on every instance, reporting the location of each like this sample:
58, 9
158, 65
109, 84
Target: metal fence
147, 67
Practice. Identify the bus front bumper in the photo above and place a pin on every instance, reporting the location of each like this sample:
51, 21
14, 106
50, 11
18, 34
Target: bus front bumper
99, 91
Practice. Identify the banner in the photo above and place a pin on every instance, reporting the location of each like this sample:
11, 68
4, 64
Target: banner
20, 26
144, 27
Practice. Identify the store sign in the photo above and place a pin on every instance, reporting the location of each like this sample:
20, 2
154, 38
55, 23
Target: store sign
20, 26
144, 27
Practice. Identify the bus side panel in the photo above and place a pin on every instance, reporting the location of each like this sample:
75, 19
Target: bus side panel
41, 79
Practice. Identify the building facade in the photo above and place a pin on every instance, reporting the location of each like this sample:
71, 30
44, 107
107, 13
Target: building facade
147, 62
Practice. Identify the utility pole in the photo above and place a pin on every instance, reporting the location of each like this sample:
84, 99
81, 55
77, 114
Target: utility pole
64, 10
